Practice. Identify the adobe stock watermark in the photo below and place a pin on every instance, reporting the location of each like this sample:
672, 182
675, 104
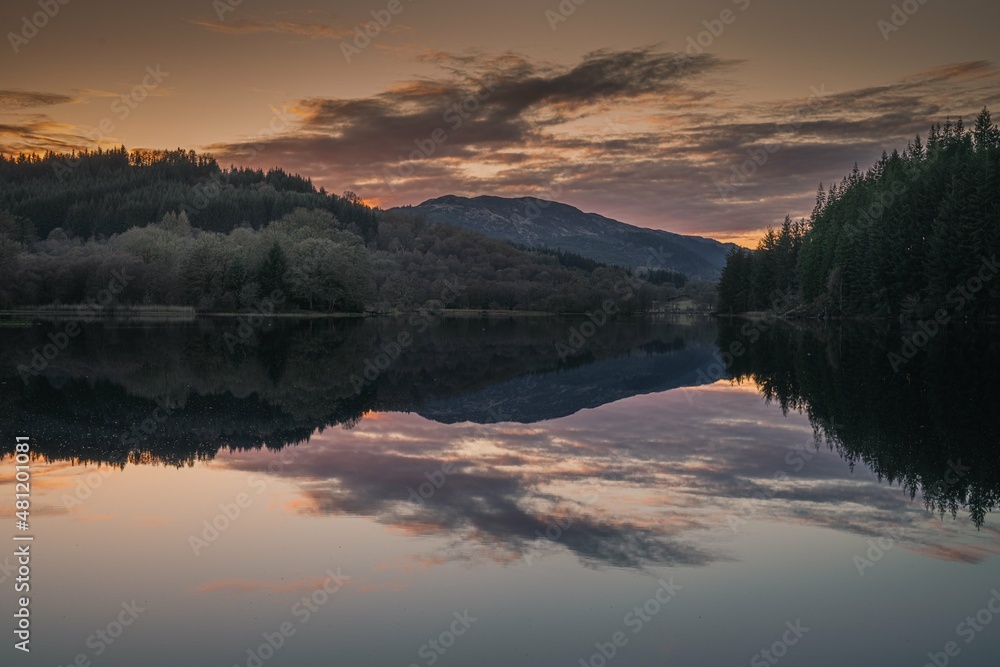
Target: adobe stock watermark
968, 630
886, 199
31, 25
454, 117
714, 28
205, 193
635, 620
230, 512
419, 322
562, 12
121, 108
102, 639
433, 650
877, 549
85, 486
779, 649
553, 534
696, 44
759, 156
750, 333
534, 208
365, 34
598, 319
435, 480
957, 299
91, 309
248, 323
303, 611
900, 16
280, 122
223, 7
797, 457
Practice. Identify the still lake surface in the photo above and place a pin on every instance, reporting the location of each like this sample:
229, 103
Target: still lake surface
484, 498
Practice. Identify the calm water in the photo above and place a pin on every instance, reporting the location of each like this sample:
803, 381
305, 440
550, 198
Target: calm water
485, 498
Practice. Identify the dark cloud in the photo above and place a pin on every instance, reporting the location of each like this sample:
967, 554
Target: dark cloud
19, 100
644, 135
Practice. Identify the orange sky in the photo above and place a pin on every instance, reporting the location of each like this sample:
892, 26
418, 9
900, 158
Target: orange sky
595, 110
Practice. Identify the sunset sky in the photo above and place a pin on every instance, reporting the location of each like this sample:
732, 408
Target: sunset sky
596, 110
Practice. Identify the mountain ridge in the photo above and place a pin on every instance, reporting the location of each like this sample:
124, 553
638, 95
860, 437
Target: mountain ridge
541, 223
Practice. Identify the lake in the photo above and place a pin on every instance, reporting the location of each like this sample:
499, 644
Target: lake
496, 492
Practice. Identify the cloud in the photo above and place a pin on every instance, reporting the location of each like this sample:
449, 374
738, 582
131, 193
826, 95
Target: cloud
19, 100
311, 30
35, 133
643, 135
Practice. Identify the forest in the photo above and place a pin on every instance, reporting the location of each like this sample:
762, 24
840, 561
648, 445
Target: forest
122, 229
914, 236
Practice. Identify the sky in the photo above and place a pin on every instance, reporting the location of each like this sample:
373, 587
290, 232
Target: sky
710, 118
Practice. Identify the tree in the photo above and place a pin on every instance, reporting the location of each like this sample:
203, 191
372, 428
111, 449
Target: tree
272, 272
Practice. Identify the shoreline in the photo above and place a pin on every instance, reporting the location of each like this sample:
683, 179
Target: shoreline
25, 317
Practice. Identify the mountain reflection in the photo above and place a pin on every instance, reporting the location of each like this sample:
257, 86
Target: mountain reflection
481, 433
179, 393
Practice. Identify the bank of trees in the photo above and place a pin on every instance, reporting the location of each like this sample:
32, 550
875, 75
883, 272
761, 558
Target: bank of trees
95, 194
150, 225
915, 233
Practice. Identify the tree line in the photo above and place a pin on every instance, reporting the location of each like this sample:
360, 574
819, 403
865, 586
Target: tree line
173, 228
916, 234
104, 192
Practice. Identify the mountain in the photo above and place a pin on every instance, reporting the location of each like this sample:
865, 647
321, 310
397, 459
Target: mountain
538, 223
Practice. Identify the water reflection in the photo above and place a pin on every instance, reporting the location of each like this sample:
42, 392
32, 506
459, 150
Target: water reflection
482, 434
928, 427
179, 393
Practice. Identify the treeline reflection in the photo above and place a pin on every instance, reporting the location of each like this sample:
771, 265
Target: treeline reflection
926, 424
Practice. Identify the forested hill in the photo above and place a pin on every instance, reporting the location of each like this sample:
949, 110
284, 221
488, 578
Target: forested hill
917, 233
100, 193
538, 223
118, 229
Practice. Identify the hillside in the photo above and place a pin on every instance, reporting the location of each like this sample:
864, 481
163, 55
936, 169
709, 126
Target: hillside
119, 229
538, 223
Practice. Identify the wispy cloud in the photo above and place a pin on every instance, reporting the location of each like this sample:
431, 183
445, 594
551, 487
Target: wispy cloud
38, 133
250, 26
642, 134
19, 100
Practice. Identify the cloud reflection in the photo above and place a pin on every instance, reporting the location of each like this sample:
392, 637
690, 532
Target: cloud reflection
643, 482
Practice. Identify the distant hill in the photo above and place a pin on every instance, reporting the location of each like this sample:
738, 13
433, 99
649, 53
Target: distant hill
538, 223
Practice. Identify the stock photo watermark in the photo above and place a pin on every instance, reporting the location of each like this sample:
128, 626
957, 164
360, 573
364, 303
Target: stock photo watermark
89, 311
434, 649
230, 512
303, 611
31, 25
635, 620
365, 34
759, 156
779, 649
970, 628
418, 323
454, 117
899, 17
957, 299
